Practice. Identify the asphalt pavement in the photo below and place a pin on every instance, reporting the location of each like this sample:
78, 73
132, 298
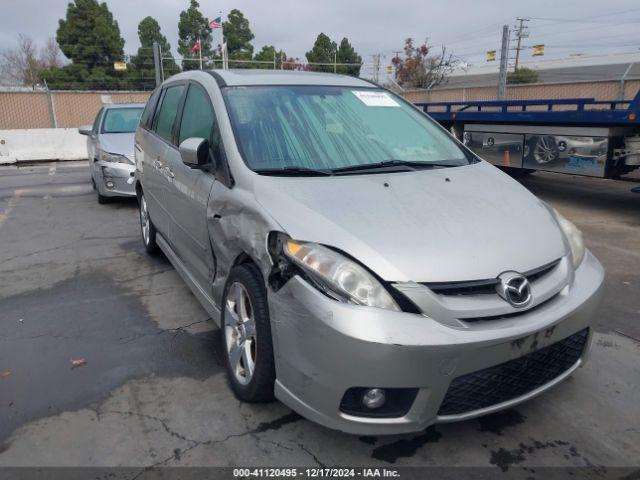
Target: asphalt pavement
106, 359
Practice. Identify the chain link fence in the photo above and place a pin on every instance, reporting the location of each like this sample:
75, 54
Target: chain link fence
20, 108
43, 108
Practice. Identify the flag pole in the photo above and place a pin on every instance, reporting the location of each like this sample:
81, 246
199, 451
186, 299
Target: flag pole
200, 52
223, 48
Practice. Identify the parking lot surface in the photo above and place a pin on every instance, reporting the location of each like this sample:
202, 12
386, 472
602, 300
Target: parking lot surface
147, 386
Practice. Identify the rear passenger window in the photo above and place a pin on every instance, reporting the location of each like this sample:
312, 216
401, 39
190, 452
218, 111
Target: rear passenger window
197, 116
147, 115
168, 111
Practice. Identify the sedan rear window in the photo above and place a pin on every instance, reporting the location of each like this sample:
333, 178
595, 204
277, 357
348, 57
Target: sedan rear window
121, 120
331, 128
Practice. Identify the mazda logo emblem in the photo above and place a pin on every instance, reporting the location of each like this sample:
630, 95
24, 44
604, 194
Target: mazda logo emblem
515, 289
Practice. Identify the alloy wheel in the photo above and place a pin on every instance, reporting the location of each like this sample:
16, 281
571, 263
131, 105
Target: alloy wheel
240, 333
144, 220
545, 150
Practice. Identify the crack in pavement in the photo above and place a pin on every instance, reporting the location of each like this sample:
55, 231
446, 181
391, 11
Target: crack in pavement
178, 454
162, 422
123, 340
175, 330
313, 455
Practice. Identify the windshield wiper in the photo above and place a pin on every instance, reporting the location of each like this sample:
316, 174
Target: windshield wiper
293, 172
410, 165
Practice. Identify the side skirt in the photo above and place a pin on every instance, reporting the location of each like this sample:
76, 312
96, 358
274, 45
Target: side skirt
203, 297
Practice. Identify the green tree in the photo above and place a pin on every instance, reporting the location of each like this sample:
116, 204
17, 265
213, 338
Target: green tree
193, 27
238, 36
347, 54
522, 75
142, 74
266, 55
90, 38
323, 51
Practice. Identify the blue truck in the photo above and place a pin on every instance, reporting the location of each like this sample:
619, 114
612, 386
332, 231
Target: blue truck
579, 136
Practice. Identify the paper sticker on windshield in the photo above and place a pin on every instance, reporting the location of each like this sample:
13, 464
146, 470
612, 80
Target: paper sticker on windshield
375, 99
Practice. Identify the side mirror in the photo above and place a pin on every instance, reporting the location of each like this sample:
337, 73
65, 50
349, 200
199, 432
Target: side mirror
196, 152
86, 130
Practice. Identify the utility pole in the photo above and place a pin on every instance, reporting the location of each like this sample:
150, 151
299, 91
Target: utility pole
521, 32
376, 67
157, 62
396, 55
504, 63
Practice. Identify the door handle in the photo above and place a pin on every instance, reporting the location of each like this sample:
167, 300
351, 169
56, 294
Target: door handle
170, 173
157, 164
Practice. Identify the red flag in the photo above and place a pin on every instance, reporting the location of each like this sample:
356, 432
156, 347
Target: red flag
197, 47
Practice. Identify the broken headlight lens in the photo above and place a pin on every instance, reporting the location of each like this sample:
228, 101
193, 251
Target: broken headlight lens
114, 158
336, 273
573, 235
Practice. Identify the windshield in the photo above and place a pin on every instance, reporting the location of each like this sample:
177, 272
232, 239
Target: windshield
333, 129
121, 120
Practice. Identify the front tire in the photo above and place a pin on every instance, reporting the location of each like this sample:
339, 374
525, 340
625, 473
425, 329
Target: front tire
101, 198
246, 335
147, 228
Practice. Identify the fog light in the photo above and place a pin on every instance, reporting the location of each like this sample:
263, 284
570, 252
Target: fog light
374, 398
109, 184
377, 402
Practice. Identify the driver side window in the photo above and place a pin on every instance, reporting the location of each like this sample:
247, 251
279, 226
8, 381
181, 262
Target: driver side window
198, 119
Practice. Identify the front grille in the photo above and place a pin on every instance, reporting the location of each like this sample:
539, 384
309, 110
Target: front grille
488, 286
505, 316
514, 378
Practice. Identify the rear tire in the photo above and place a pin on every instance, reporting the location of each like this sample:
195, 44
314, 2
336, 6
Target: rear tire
246, 336
147, 228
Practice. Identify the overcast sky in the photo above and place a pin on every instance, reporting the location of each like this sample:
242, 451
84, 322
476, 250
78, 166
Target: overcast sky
468, 27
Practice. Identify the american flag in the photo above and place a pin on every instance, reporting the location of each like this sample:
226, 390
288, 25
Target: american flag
216, 23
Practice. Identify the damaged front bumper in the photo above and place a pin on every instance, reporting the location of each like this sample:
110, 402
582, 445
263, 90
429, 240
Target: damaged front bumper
323, 348
115, 179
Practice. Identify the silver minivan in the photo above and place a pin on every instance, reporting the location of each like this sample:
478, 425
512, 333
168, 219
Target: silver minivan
365, 268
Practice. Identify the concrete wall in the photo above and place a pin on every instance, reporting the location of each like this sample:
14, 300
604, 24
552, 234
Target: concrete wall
42, 144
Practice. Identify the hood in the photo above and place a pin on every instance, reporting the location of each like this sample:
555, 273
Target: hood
120, 143
452, 224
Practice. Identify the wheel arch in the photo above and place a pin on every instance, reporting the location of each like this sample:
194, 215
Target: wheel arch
138, 188
243, 258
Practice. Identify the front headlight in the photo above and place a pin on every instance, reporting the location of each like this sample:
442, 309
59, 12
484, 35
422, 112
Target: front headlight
339, 275
114, 158
573, 235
